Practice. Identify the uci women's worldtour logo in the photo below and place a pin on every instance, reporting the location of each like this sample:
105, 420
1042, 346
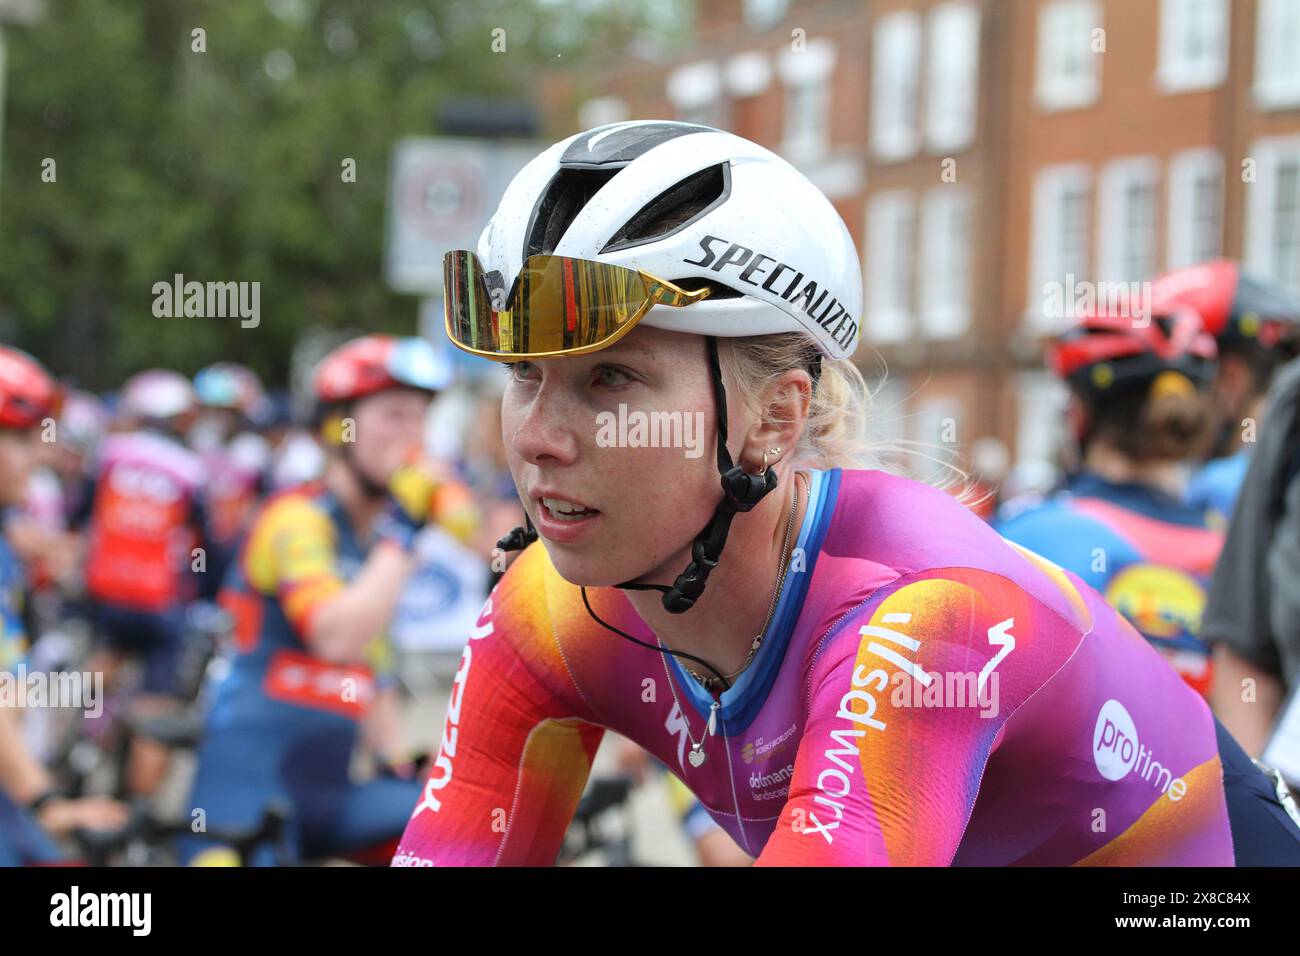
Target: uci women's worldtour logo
1117, 752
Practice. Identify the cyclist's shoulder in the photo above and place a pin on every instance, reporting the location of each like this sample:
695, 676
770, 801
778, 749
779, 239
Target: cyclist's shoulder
1215, 485
906, 534
1030, 513
306, 508
905, 564
901, 520
532, 592
294, 515
153, 451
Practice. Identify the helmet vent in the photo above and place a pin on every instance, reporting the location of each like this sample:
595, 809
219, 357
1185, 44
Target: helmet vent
565, 195
675, 208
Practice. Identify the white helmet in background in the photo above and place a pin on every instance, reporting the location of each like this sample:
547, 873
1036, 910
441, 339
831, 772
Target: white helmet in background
685, 202
157, 394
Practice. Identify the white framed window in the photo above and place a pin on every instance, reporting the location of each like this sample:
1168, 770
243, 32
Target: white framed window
895, 85
748, 73
1195, 204
945, 236
1126, 224
1193, 53
806, 75
1059, 240
1277, 54
952, 75
761, 14
1067, 71
936, 430
695, 91
807, 120
1041, 400
891, 245
1273, 211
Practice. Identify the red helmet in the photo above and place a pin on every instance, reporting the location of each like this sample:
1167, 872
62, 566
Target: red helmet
373, 363
1236, 307
28, 394
1106, 353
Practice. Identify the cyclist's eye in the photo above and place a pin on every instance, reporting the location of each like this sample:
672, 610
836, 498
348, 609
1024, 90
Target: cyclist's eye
612, 376
518, 371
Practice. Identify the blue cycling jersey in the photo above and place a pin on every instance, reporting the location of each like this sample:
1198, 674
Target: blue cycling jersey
1214, 488
1149, 554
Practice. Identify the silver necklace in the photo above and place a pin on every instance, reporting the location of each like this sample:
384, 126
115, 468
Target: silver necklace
696, 756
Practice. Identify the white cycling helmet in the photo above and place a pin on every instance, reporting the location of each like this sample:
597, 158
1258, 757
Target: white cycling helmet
157, 394
686, 202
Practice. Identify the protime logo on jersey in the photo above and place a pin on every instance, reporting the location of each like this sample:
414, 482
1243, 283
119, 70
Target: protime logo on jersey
1117, 752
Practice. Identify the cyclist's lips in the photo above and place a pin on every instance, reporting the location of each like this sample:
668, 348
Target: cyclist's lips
562, 519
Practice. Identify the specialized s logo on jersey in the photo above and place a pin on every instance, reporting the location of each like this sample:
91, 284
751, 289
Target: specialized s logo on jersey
891, 646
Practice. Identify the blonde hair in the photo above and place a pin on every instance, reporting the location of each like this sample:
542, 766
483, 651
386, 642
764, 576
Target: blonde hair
836, 432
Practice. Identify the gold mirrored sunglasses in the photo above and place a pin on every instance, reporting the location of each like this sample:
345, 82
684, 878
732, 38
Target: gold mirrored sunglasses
557, 305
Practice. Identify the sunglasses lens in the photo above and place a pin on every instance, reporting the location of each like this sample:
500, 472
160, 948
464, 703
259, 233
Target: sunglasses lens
466, 301
556, 305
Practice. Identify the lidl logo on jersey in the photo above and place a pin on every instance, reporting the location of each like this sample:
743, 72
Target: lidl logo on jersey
1118, 752
1161, 602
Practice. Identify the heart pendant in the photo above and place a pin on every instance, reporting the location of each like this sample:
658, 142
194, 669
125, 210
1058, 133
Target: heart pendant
696, 757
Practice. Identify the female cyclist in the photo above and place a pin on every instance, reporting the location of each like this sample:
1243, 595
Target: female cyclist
867, 673
1256, 323
313, 589
1141, 414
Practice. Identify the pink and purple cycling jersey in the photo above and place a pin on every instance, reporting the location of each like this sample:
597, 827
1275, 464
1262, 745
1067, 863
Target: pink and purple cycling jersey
927, 694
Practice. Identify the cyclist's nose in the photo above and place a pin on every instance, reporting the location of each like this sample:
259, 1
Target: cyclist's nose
544, 427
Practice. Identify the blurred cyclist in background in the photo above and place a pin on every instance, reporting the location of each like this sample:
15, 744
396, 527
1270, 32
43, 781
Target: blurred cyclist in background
145, 547
82, 424
1140, 413
319, 573
58, 500
235, 458
296, 456
30, 810
1256, 323
483, 465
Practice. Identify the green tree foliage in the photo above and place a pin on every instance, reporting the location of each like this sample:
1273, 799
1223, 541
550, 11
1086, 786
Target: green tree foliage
225, 165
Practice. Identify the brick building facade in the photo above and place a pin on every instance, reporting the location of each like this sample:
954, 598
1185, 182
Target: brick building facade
989, 157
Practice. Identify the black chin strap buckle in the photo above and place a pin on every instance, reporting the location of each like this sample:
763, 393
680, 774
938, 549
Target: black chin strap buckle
743, 490
519, 538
